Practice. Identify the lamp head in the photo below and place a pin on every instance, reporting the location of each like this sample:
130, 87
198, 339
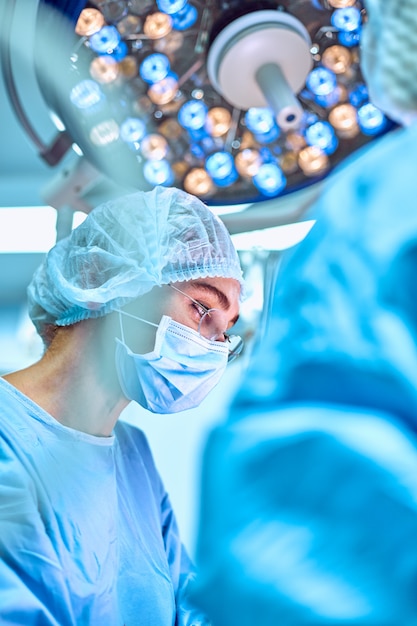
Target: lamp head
232, 102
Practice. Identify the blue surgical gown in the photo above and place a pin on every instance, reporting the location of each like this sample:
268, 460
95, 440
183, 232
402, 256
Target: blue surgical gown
309, 496
87, 532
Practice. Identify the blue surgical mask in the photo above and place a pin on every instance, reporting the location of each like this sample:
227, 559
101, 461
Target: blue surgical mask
177, 375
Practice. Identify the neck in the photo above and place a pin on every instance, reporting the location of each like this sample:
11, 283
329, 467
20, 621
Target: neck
75, 381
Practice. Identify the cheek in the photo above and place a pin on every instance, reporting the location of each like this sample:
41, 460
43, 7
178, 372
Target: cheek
139, 337
183, 315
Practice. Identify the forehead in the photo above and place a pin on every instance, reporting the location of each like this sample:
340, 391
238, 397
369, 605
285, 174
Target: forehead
222, 292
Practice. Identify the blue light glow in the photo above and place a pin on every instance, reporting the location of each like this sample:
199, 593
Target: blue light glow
371, 119
310, 118
171, 6
154, 68
266, 155
86, 94
351, 39
105, 40
158, 172
197, 151
208, 144
185, 18
322, 135
197, 136
347, 19
192, 115
221, 168
359, 95
269, 137
269, 179
321, 81
119, 52
329, 100
133, 129
259, 120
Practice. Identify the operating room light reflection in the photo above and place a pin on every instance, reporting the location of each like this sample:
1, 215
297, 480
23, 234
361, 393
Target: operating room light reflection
39, 234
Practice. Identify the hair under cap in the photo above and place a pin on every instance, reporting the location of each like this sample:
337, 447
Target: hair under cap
123, 249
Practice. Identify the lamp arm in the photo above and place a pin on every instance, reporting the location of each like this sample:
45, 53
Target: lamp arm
53, 153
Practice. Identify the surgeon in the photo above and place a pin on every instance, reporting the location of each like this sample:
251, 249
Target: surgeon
309, 493
135, 304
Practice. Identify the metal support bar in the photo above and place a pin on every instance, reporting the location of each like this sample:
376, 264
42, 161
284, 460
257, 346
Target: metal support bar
279, 95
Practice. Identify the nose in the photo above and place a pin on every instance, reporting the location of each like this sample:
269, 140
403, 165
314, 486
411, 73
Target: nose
220, 337
213, 325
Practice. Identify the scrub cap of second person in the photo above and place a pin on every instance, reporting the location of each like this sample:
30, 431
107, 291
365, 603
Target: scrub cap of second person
389, 57
123, 249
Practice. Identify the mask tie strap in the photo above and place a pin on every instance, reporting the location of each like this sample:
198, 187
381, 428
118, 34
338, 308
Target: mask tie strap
135, 317
121, 326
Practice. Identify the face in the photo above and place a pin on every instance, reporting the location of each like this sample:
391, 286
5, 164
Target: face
194, 298
186, 308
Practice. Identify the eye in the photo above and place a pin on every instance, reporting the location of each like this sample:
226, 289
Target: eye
199, 308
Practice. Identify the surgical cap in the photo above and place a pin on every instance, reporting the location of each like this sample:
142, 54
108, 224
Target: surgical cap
123, 249
389, 57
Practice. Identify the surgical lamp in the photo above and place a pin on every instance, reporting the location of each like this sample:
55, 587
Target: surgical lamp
234, 101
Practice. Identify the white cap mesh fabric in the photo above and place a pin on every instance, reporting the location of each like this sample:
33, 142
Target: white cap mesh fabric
389, 57
123, 249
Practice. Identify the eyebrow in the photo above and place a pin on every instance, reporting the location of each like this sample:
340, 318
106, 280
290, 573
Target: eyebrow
220, 295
